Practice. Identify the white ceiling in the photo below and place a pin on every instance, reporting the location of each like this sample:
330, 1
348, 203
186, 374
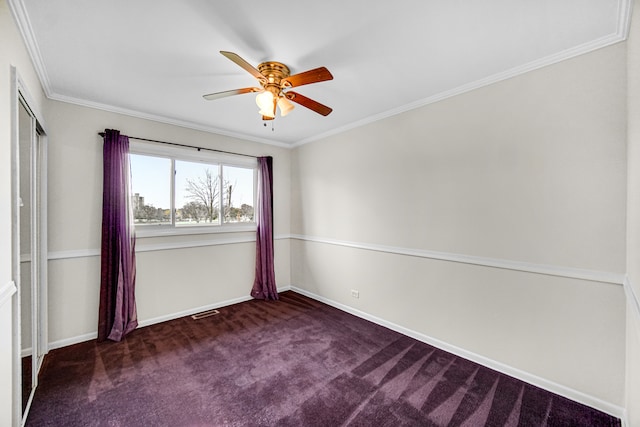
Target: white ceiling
156, 58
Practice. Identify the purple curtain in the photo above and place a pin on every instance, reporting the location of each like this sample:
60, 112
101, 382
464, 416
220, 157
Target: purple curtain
264, 285
117, 314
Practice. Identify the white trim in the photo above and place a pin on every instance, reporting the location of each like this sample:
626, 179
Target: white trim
194, 244
191, 311
73, 340
26, 352
162, 230
28, 407
633, 303
78, 253
624, 19
29, 104
21, 19
527, 377
87, 253
620, 35
16, 335
625, 13
6, 292
163, 119
141, 324
547, 269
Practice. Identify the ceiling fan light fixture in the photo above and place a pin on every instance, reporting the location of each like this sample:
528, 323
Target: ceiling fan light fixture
275, 77
267, 113
264, 100
285, 106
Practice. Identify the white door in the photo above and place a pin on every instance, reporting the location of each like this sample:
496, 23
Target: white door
29, 250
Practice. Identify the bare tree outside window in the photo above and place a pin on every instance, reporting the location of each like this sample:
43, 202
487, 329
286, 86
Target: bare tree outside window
197, 198
205, 191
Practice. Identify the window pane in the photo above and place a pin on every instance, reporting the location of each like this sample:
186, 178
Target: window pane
238, 194
151, 188
197, 193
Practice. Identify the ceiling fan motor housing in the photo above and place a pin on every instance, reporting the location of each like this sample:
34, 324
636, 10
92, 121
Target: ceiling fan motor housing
274, 73
275, 77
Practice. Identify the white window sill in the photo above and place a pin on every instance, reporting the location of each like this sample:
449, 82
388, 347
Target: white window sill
167, 230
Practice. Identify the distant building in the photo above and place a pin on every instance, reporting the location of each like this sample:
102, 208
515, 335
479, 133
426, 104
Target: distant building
137, 202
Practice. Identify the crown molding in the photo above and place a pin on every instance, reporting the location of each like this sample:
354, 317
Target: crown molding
22, 21
495, 78
26, 30
163, 119
621, 34
625, 12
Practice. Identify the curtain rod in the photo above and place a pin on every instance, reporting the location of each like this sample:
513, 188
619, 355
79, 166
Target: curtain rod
185, 146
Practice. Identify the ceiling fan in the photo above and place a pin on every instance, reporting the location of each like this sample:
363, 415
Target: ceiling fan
274, 79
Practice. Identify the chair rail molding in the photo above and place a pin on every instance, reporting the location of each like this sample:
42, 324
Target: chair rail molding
6, 292
632, 299
506, 264
151, 247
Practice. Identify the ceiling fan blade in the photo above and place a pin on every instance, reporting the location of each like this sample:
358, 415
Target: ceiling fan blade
218, 95
309, 103
244, 64
316, 75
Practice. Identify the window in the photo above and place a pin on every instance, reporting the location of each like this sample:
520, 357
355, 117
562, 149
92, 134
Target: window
177, 190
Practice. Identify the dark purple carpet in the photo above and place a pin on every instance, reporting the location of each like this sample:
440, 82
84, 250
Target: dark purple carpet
27, 372
294, 362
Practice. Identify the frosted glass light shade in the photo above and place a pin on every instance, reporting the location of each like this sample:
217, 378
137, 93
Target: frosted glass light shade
285, 106
267, 113
265, 102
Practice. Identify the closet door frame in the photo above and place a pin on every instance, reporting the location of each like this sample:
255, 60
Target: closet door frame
38, 256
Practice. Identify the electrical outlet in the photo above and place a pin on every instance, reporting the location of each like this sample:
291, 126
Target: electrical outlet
355, 293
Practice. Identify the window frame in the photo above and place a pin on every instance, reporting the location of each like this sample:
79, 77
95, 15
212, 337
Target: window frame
174, 153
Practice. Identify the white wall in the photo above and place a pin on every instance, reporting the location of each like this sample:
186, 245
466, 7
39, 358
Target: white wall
12, 52
633, 226
169, 282
531, 170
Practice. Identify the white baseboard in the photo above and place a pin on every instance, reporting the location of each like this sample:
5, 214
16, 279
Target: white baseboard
159, 319
624, 420
633, 306
527, 377
72, 340
189, 312
551, 386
